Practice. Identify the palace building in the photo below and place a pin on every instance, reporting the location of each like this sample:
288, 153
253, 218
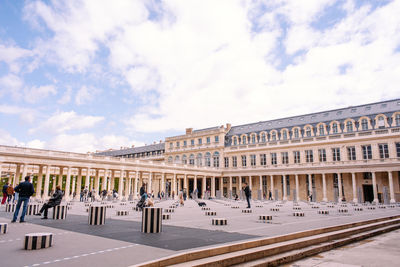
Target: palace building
349, 154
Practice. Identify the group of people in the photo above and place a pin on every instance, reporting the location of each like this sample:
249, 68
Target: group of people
9, 194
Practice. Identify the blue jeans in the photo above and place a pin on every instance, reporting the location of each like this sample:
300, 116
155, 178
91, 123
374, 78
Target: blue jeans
248, 201
20, 200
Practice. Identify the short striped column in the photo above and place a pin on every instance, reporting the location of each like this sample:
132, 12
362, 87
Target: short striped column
234, 207
298, 214
60, 212
323, 212
123, 204
169, 210
274, 209
205, 208
219, 221
343, 210
109, 206
211, 213
259, 206
166, 216
32, 209
3, 228
152, 220
265, 217
296, 208
122, 212
10, 207
358, 209
246, 211
97, 215
36, 241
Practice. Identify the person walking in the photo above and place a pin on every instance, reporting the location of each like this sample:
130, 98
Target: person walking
25, 190
4, 194
269, 195
10, 193
247, 193
55, 200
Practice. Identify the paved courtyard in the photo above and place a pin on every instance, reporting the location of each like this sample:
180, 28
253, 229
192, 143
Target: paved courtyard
120, 243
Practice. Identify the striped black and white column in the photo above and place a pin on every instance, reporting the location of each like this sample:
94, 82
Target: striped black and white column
32, 209
97, 215
3, 228
36, 241
10, 207
152, 220
60, 212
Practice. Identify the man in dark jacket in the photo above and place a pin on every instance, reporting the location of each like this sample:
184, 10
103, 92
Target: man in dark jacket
247, 193
4, 194
25, 191
55, 200
142, 190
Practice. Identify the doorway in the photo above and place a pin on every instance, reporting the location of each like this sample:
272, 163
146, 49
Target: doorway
191, 187
368, 193
199, 188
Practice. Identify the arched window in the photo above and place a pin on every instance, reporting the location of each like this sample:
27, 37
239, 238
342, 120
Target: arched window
349, 126
177, 159
273, 136
253, 138
381, 122
235, 141
321, 129
308, 131
184, 159
397, 119
334, 127
216, 159
296, 133
244, 139
199, 160
170, 159
263, 137
208, 159
284, 135
364, 124
191, 159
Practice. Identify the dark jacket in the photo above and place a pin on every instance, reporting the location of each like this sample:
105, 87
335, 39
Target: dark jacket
5, 189
55, 200
141, 191
247, 191
25, 189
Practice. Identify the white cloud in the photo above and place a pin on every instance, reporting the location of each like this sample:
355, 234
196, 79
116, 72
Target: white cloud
12, 54
35, 94
36, 143
26, 114
66, 97
11, 84
8, 140
61, 122
85, 95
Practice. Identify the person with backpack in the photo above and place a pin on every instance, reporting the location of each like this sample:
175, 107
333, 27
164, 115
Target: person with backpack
10, 193
4, 194
25, 190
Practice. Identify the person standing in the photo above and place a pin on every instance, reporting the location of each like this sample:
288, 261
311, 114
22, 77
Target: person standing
142, 190
25, 190
4, 194
269, 195
10, 193
247, 193
54, 201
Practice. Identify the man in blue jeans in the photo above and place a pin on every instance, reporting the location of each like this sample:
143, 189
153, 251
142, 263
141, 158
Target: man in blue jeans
25, 190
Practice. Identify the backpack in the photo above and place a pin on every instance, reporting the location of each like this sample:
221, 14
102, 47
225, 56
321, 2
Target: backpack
10, 190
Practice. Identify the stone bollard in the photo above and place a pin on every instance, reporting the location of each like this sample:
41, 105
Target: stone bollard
97, 215
60, 212
265, 217
234, 207
219, 221
342, 210
323, 212
247, 211
259, 206
296, 208
152, 220
274, 209
36, 241
169, 210
32, 209
10, 207
211, 213
3, 228
205, 208
298, 214
166, 216
358, 209
122, 212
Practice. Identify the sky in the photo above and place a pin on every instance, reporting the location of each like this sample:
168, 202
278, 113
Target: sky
91, 75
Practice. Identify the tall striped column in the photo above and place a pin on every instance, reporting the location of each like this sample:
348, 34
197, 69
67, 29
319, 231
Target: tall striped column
97, 215
152, 220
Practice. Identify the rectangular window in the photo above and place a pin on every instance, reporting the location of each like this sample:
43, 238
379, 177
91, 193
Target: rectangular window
192, 142
184, 143
383, 151
336, 154
285, 157
253, 160
263, 159
296, 156
177, 144
226, 160
244, 161
309, 156
367, 152
171, 145
216, 139
200, 141
208, 140
351, 153
398, 150
234, 161
322, 155
273, 159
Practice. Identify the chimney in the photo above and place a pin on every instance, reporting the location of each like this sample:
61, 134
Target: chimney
189, 130
228, 126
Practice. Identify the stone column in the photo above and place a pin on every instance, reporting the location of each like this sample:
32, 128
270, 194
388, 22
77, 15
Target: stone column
67, 184
204, 186
353, 181
112, 180
73, 186
310, 191
79, 183
230, 187
297, 187
87, 179
240, 186
174, 191
24, 172
136, 184
97, 182
149, 184
221, 186
213, 186
324, 198
340, 188
46, 183
39, 183
104, 181
250, 182
261, 187
120, 184
60, 179
17, 174
391, 189
272, 186
376, 200
284, 187
185, 183
128, 184
163, 183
